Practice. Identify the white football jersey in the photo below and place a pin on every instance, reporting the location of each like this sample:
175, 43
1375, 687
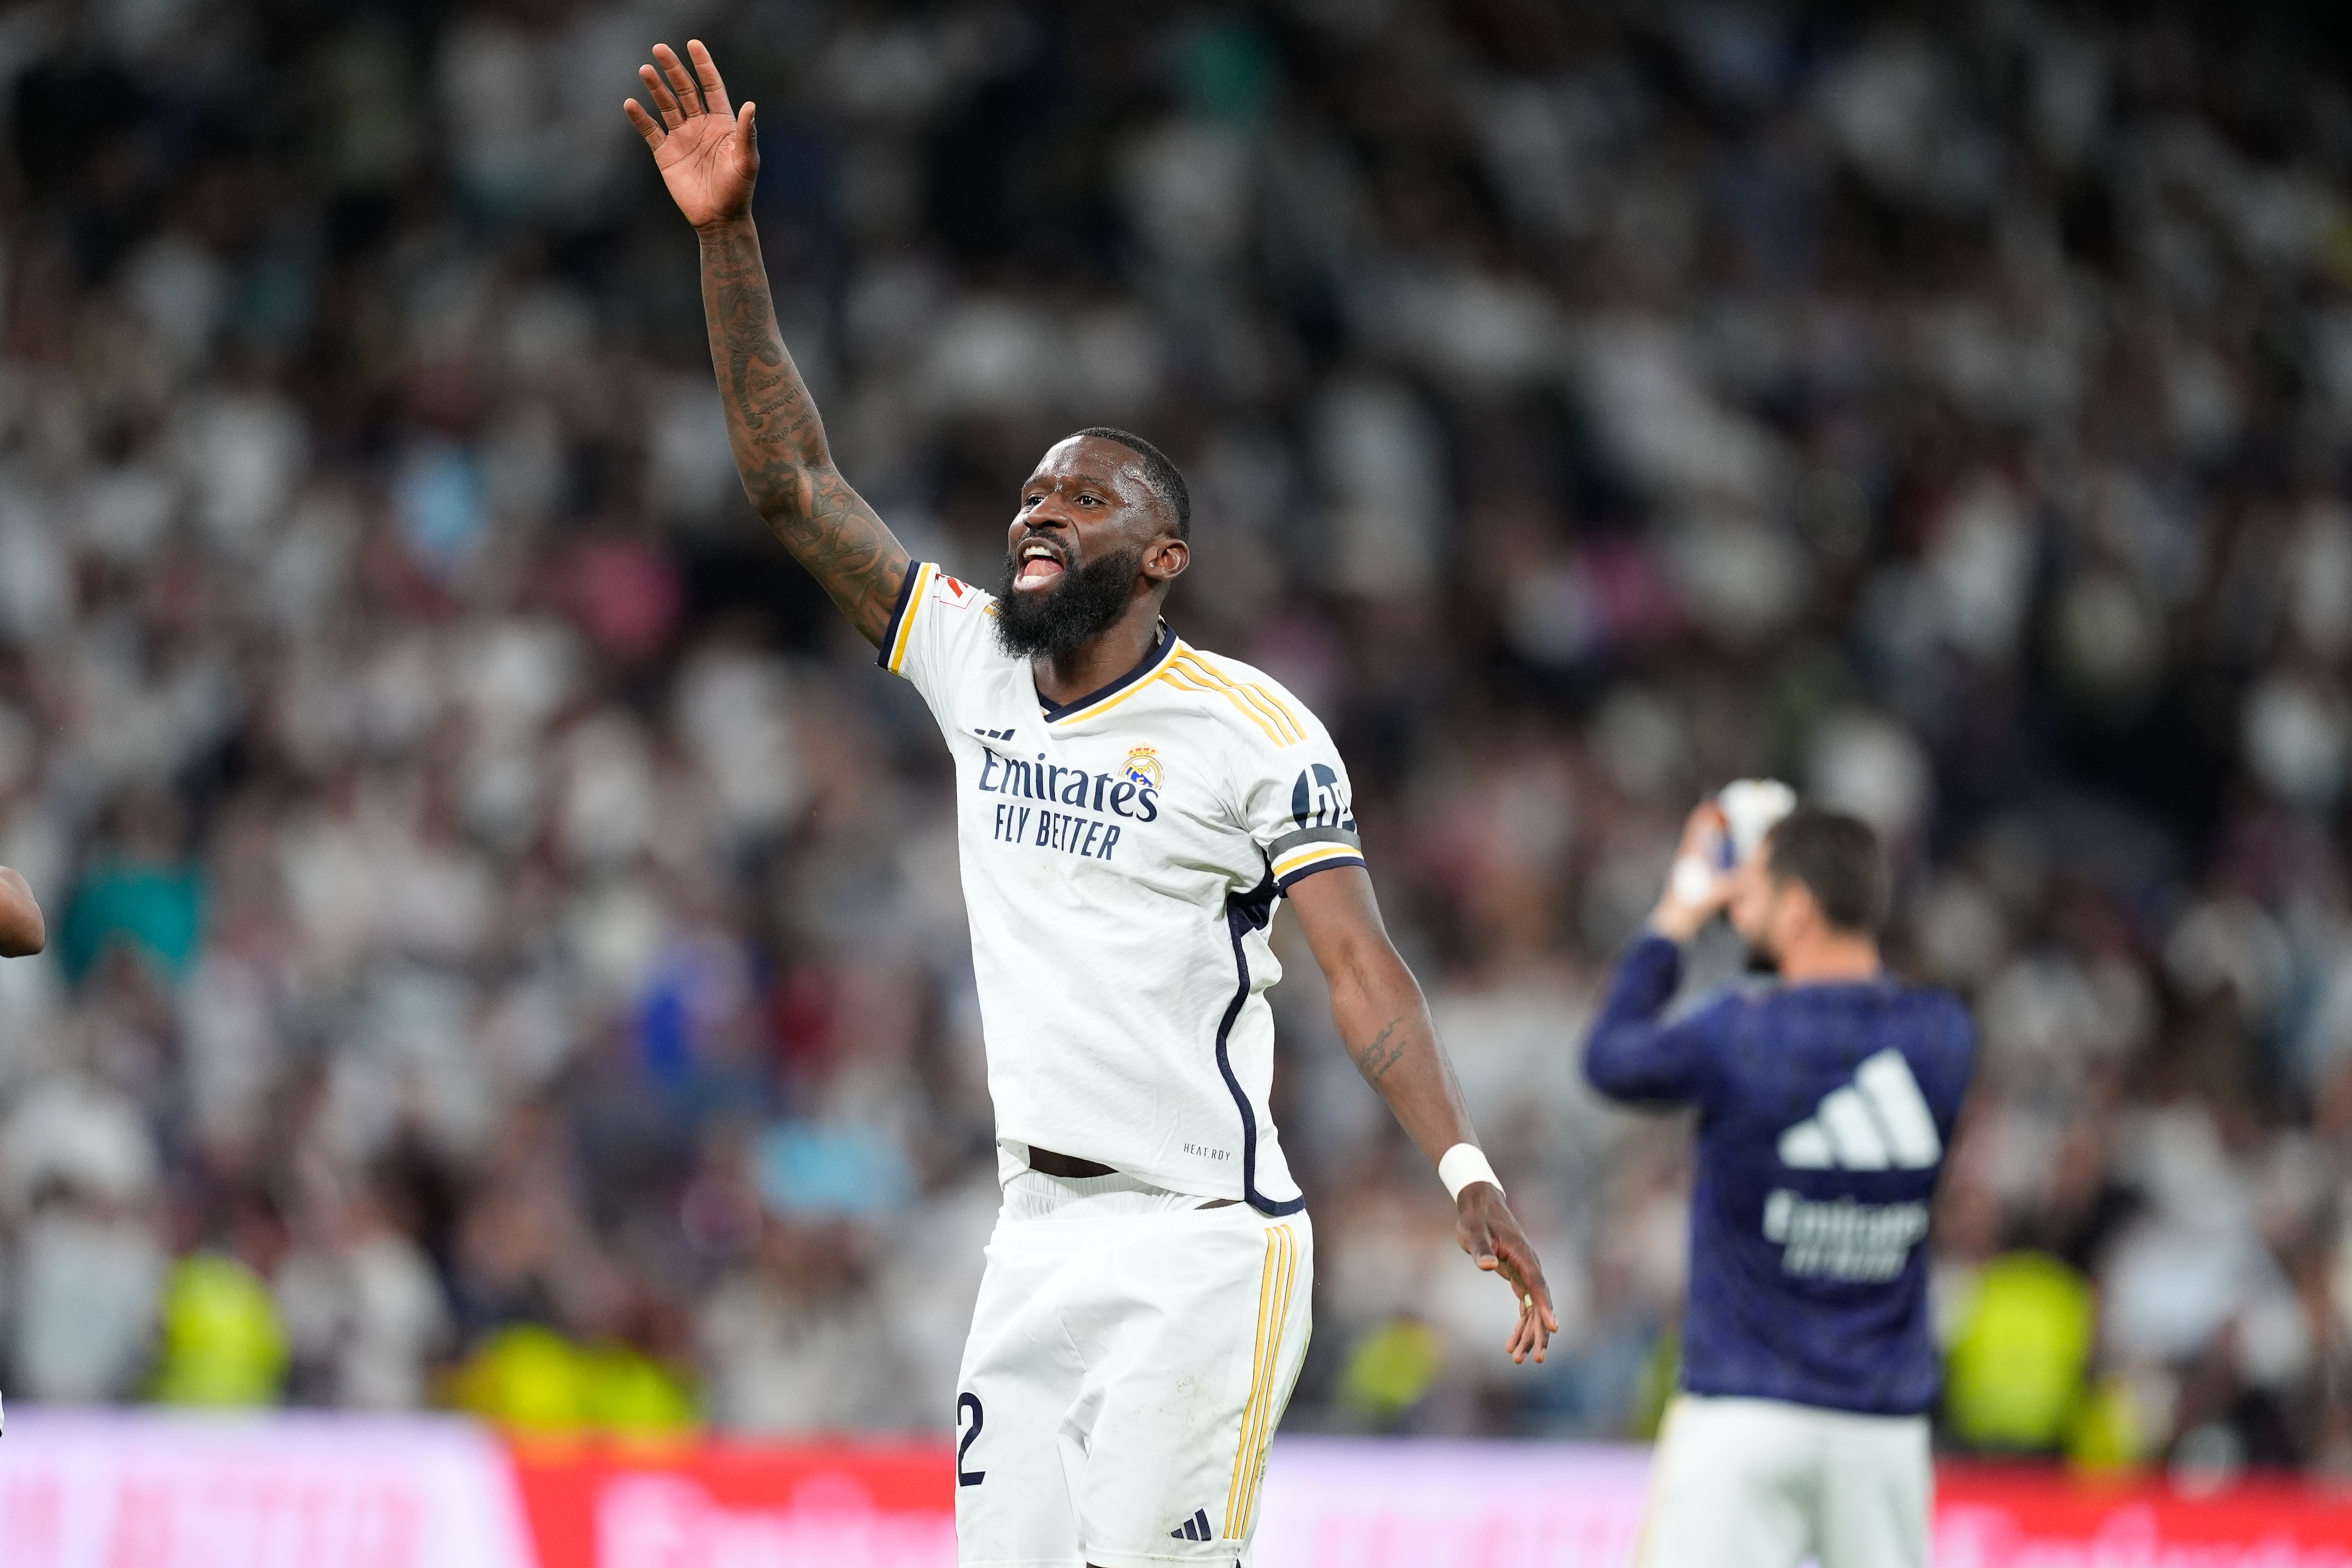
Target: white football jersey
1121, 858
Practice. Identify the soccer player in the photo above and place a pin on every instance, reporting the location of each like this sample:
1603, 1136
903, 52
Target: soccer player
1129, 810
1824, 1107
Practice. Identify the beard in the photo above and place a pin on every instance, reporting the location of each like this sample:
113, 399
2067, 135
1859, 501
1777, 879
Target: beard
1051, 623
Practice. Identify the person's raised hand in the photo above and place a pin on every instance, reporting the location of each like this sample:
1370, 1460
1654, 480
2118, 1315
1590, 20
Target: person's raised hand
708, 154
1490, 1234
1696, 887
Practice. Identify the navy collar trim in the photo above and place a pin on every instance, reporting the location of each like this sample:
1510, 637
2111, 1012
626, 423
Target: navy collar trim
1160, 652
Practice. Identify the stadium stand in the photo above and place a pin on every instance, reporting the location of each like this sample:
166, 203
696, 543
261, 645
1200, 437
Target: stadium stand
507, 948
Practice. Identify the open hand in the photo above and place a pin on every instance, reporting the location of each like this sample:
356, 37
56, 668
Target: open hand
1485, 1226
708, 154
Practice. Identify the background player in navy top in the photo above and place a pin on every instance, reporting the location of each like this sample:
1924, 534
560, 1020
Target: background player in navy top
1825, 1105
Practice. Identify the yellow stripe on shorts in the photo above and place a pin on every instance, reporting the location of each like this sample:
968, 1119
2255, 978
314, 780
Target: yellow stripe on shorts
1274, 1293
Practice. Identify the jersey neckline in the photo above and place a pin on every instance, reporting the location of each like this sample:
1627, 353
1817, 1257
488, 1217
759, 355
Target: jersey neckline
1161, 651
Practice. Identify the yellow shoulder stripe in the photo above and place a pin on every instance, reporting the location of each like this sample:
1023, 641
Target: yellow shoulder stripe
1251, 693
1186, 680
1292, 717
1276, 719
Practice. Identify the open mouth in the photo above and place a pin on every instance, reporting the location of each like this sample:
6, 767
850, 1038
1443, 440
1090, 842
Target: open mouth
1039, 565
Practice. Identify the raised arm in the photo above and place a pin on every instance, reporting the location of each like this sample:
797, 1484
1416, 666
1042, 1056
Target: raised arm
1384, 1022
1632, 1053
708, 155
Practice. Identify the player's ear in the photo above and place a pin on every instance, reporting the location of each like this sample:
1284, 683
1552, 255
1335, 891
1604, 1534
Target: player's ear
1165, 560
1804, 908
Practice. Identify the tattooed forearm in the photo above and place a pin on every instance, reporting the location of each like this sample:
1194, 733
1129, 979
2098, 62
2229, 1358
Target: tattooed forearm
1379, 1011
1386, 1049
779, 441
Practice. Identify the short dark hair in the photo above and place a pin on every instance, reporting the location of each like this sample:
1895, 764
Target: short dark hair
1836, 857
1158, 473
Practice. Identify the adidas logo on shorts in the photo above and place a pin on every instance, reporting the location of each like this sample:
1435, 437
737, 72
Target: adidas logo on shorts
1194, 1529
1878, 1123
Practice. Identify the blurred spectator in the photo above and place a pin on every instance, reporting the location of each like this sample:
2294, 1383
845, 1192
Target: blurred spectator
2019, 1354
363, 1310
222, 1345
139, 896
86, 1277
536, 1382
797, 1339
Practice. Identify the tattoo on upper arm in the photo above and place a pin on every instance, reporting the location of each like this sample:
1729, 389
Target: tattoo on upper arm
779, 440
1375, 1060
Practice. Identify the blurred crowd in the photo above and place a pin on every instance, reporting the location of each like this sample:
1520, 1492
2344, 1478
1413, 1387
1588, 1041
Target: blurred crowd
506, 946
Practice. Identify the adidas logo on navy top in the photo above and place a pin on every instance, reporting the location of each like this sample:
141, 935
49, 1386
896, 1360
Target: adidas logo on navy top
1878, 1123
1194, 1529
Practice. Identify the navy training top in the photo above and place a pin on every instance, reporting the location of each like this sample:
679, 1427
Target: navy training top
1824, 1111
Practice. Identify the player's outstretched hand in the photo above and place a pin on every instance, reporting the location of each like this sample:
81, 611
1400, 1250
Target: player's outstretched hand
1483, 1223
23, 931
708, 154
1696, 889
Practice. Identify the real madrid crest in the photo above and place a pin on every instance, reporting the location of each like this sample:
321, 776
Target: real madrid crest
1142, 766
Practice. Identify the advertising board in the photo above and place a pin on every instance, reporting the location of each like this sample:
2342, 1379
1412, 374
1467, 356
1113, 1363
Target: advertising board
118, 1489
125, 1489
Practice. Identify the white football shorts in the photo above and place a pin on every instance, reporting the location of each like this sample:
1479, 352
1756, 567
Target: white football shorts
1755, 1483
1131, 1353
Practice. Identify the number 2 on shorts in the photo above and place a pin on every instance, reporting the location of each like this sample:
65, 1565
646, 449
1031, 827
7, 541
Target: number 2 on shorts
967, 1402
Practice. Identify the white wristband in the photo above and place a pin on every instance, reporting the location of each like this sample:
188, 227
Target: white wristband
1693, 881
1462, 1164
